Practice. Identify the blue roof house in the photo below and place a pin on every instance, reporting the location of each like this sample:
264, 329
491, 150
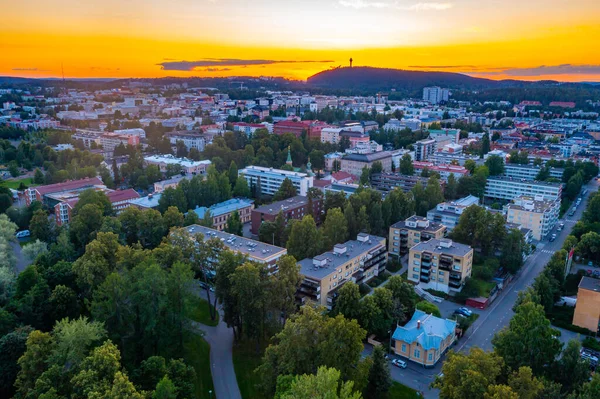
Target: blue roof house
424, 338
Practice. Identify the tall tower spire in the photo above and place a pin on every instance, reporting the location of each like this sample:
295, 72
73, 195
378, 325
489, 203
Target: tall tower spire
350, 62
289, 158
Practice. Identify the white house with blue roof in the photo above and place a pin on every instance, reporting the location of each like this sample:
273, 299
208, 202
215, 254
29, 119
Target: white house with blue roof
424, 338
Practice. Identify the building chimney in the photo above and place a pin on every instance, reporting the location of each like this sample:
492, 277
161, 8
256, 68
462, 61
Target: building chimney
418, 324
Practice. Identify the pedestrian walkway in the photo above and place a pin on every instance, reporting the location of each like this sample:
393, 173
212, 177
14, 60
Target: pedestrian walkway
547, 251
220, 339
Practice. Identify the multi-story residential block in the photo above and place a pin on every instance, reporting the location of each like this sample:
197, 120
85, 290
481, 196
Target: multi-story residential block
162, 185
506, 188
448, 213
529, 172
119, 200
109, 141
247, 128
255, 251
397, 125
388, 181
354, 163
292, 208
330, 135
440, 264
536, 214
444, 170
424, 339
52, 194
424, 149
435, 94
87, 137
222, 211
188, 166
405, 234
357, 260
271, 179
189, 139
587, 308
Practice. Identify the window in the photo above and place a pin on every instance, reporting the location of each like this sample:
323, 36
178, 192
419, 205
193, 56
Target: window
416, 269
430, 357
441, 273
417, 353
416, 263
417, 256
403, 347
415, 276
441, 279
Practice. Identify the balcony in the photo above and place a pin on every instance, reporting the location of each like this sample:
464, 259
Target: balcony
403, 233
454, 284
455, 276
425, 272
424, 279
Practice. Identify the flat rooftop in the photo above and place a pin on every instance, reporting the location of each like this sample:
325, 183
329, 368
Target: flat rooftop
290, 203
251, 248
354, 248
433, 245
590, 284
523, 181
430, 226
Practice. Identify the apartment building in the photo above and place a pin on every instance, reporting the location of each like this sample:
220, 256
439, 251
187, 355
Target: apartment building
440, 264
536, 214
109, 141
330, 135
292, 208
162, 185
587, 309
354, 163
386, 182
448, 213
189, 139
357, 260
222, 211
506, 188
405, 234
444, 170
529, 172
435, 94
271, 179
424, 149
424, 339
188, 166
255, 251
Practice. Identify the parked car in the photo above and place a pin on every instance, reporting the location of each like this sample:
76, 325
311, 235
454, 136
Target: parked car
23, 234
561, 226
552, 237
590, 263
589, 272
464, 311
596, 273
399, 363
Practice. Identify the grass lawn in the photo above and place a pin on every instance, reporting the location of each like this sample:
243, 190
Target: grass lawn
245, 361
14, 184
197, 354
399, 391
198, 311
484, 287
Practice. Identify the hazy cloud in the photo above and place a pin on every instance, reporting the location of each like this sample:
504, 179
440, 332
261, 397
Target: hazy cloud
359, 4
24, 69
441, 66
425, 6
563, 69
216, 69
217, 62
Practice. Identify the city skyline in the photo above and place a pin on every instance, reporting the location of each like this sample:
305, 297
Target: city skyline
215, 38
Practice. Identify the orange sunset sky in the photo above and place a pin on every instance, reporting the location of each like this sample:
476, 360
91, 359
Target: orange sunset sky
498, 39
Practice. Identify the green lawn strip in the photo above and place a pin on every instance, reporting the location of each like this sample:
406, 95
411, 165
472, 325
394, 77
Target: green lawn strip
399, 391
245, 361
198, 311
14, 184
197, 354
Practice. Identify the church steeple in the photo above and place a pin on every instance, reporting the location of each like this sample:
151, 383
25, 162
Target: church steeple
289, 158
309, 168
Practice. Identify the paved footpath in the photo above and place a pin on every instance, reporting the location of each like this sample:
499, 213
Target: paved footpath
220, 339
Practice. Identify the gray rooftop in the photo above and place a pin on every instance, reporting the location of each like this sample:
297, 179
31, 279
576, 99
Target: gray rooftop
524, 181
374, 156
284, 205
253, 249
433, 245
591, 284
431, 227
354, 248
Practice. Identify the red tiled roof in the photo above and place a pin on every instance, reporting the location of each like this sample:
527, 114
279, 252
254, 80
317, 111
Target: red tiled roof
122, 195
321, 183
69, 185
341, 175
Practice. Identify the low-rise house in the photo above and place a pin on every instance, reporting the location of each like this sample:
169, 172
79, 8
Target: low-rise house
291, 208
222, 211
424, 339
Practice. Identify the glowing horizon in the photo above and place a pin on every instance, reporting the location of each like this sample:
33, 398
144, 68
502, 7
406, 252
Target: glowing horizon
216, 38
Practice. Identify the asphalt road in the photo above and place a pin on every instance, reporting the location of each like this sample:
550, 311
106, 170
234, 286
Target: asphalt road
498, 315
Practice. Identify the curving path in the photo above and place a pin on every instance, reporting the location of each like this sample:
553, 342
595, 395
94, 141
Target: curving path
220, 339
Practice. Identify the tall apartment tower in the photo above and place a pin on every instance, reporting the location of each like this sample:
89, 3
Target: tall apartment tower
435, 94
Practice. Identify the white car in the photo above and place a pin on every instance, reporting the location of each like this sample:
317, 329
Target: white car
399, 363
23, 234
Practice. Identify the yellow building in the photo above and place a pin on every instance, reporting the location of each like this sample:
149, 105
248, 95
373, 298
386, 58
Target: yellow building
536, 214
440, 264
408, 233
357, 260
587, 309
424, 339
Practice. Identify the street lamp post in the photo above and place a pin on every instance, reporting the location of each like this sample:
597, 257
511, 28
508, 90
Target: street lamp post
210, 393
